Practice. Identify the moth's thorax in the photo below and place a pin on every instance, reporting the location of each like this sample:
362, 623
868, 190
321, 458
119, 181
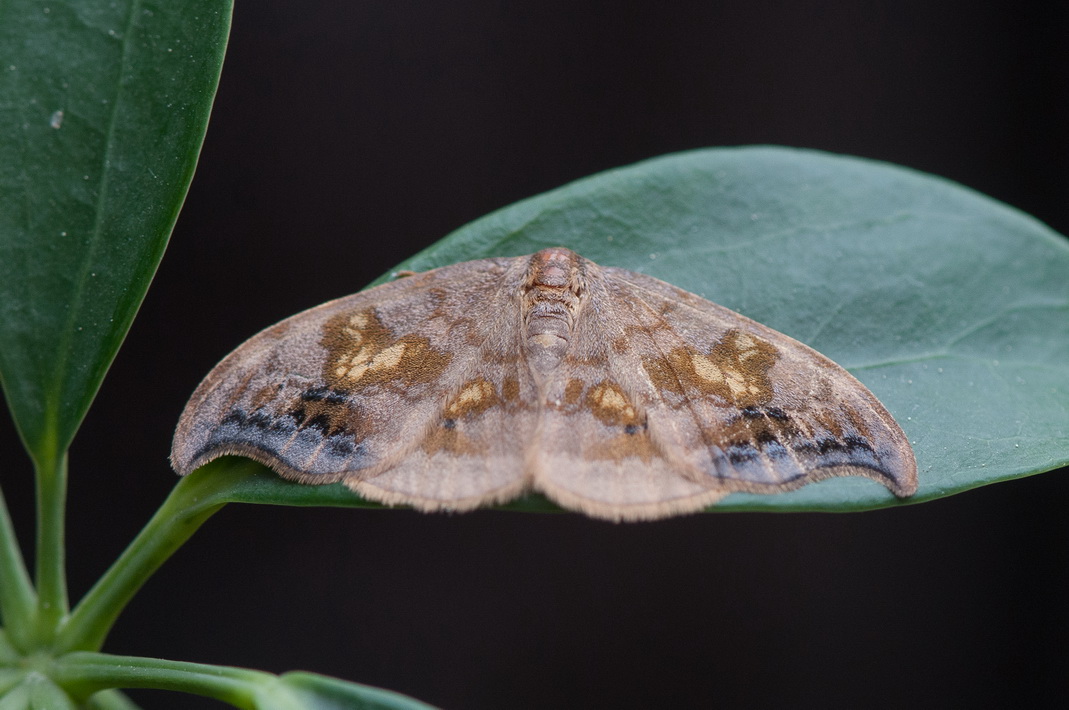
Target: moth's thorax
553, 293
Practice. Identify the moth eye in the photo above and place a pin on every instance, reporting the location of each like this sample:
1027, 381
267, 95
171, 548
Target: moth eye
449, 423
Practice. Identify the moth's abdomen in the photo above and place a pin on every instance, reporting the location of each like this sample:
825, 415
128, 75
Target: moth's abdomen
553, 292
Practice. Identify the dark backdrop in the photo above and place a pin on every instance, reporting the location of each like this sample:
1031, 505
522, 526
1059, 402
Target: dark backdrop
348, 135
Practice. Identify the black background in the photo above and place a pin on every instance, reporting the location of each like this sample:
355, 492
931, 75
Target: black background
348, 135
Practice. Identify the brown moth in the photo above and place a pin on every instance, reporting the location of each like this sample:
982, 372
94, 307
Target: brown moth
611, 392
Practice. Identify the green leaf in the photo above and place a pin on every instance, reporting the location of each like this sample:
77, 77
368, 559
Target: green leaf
35, 691
15, 698
103, 107
951, 307
17, 596
110, 700
325, 693
83, 674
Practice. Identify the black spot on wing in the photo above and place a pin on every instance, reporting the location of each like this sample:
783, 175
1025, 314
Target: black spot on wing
325, 394
761, 412
763, 460
742, 453
298, 446
850, 450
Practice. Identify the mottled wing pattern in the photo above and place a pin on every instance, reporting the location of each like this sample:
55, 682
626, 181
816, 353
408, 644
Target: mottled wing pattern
470, 445
608, 443
400, 390
612, 392
678, 402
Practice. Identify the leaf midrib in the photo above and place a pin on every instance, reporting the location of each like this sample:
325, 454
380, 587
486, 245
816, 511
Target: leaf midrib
53, 397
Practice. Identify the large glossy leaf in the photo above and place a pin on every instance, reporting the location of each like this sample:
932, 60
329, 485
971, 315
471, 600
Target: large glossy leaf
953, 308
320, 692
103, 107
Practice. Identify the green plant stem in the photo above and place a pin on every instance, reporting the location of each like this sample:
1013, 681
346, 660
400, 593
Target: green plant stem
84, 673
17, 596
52, 604
195, 499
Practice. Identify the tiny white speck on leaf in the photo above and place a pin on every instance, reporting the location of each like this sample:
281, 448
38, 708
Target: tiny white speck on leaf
57, 119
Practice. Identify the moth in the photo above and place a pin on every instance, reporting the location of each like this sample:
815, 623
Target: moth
611, 392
